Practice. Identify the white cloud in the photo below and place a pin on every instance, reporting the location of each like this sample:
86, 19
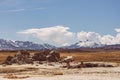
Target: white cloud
117, 29
40, 8
60, 35
15, 10
21, 10
91, 36
97, 38
107, 39
57, 34
117, 39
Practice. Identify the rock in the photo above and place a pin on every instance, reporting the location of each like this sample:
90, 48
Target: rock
8, 60
68, 59
91, 65
29, 61
39, 57
22, 57
53, 56
50, 56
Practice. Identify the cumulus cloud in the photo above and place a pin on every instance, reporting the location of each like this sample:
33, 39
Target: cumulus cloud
61, 35
117, 39
107, 39
110, 40
91, 36
88, 38
57, 34
97, 38
117, 29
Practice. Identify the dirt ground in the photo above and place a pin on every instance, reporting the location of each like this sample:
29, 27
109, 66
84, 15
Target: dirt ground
54, 71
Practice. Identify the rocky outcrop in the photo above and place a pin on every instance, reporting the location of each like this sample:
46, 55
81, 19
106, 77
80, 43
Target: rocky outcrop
50, 56
24, 57
40, 56
53, 56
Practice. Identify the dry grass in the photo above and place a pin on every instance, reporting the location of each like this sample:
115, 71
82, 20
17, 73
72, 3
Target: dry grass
4, 54
105, 56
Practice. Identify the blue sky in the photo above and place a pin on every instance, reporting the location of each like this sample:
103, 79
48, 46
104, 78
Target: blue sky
99, 16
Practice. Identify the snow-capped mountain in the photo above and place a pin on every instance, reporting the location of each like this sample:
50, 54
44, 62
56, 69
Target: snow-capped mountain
22, 45
92, 44
86, 44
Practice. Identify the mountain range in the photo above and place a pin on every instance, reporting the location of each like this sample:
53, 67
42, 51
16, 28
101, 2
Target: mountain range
86, 44
22, 45
27, 45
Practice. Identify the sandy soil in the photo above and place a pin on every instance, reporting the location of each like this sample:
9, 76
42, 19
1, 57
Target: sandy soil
53, 71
